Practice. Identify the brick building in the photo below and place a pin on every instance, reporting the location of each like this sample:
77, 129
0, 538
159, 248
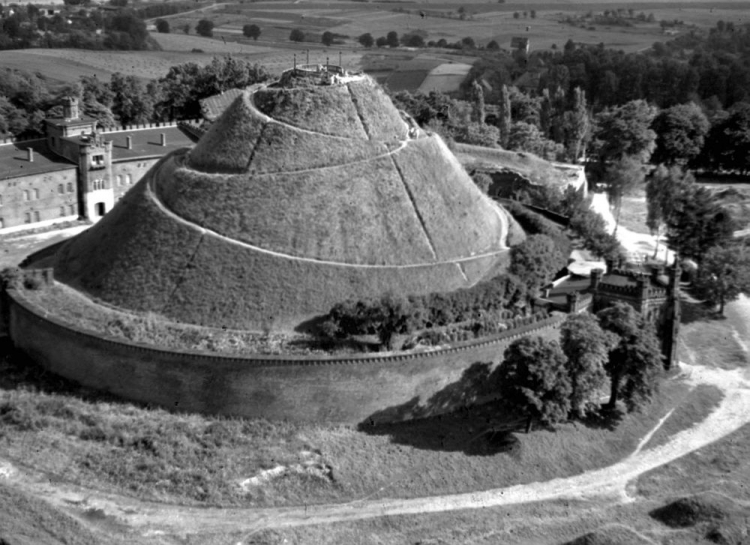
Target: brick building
77, 171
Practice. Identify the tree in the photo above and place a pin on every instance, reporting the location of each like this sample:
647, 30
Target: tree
413, 40
392, 39
635, 362
478, 109
536, 261
663, 188
577, 126
625, 131
366, 40
533, 380
381, 41
205, 28
622, 177
586, 347
697, 222
327, 38
483, 181
516, 15
297, 35
590, 226
680, 133
724, 274
533, 13
468, 43
130, 101
251, 31
728, 144
526, 137
162, 26
493, 46
503, 116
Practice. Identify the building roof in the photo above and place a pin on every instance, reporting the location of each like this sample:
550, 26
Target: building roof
14, 160
77, 122
147, 142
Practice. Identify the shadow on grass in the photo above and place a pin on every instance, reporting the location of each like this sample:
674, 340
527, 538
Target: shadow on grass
697, 311
604, 418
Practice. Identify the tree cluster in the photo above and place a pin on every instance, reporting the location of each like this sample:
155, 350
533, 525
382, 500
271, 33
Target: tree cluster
551, 382
391, 315
26, 99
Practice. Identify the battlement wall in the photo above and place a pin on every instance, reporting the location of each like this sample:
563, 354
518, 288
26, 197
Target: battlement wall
351, 390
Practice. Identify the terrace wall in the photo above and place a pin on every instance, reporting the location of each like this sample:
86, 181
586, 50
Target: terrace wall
351, 390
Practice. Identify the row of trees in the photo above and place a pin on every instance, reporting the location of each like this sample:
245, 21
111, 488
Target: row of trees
26, 99
551, 382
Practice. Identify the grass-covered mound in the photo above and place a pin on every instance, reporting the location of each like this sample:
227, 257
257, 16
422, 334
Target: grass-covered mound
441, 189
379, 116
360, 213
133, 257
698, 508
230, 142
267, 224
328, 110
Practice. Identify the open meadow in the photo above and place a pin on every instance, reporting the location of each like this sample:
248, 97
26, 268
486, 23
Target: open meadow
425, 69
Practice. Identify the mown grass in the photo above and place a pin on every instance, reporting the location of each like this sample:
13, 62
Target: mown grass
695, 406
634, 212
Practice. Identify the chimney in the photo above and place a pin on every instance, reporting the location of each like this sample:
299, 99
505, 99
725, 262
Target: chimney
163, 139
610, 265
129, 142
30, 154
596, 276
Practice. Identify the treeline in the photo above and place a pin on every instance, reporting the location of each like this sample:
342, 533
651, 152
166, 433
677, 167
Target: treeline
27, 27
26, 100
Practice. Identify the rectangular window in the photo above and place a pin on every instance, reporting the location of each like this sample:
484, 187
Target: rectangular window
27, 217
36, 194
97, 160
97, 184
70, 187
37, 216
72, 209
62, 211
61, 188
2, 223
1, 200
26, 194
119, 180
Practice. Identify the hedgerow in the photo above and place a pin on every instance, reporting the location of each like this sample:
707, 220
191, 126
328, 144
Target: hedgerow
535, 224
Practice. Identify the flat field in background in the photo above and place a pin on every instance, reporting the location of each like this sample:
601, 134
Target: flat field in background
409, 68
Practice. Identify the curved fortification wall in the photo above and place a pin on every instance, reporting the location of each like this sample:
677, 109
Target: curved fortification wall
352, 390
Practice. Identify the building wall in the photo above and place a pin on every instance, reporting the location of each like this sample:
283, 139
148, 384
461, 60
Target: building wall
125, 174
38, 198
352, 390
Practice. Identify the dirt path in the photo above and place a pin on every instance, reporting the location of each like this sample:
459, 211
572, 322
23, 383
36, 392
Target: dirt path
606, 485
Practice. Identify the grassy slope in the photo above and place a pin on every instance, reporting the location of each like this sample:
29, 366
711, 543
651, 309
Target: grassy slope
380, 118
328, 110
354, 214
441, 189
531, 167
229, 143
132, 257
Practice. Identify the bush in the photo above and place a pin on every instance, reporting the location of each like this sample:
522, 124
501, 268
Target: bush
205, 28
251, 31
297, 35
162, 26
536, 224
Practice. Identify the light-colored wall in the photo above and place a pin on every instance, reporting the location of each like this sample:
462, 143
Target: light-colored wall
49, 204
135, 168
349, 390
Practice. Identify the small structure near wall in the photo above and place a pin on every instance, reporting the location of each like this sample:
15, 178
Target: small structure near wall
652, 291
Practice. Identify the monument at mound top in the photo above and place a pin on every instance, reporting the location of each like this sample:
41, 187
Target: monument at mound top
304, 193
